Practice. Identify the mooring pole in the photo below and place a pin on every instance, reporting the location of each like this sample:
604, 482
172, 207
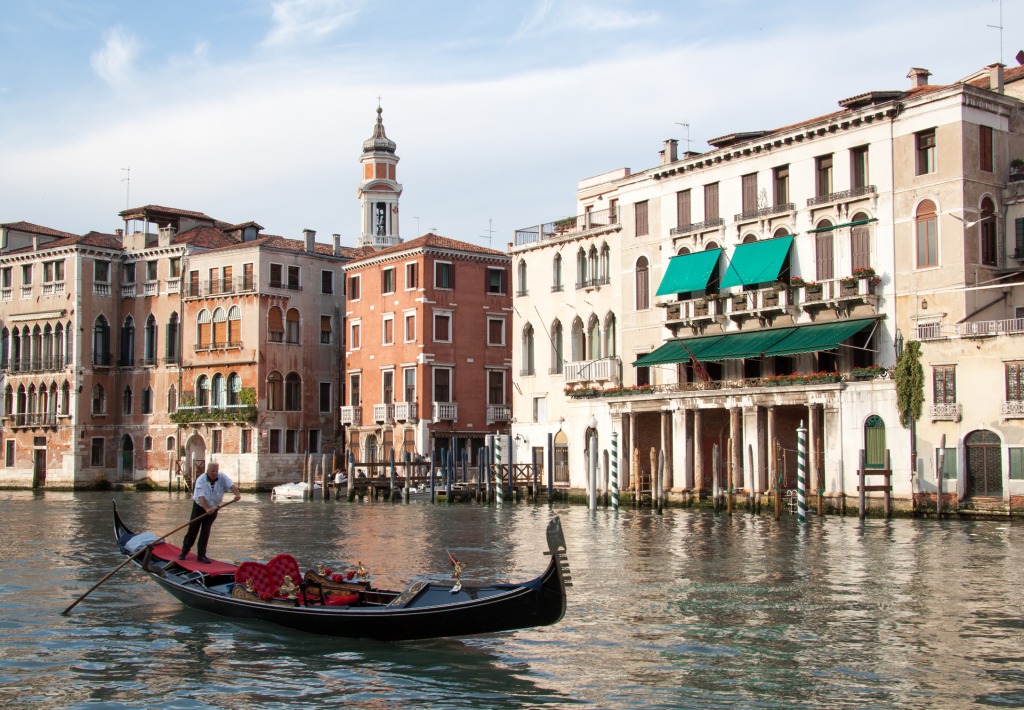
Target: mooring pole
801, 473
938, 476
499, 482
615, 471
592, 473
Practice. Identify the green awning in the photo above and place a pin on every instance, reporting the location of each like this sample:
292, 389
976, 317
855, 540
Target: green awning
688, 272
757, 262
740, 345
676, 351
821, 336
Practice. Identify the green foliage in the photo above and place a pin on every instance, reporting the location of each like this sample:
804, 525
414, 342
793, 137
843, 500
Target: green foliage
909, 384
247, 396
205, 414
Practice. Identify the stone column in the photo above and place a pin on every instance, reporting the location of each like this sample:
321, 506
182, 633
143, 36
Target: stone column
770, 450
698, 452
666, 446
736, 454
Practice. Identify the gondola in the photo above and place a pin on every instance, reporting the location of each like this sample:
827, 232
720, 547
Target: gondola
346, 604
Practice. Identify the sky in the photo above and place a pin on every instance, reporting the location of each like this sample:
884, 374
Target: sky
257, 109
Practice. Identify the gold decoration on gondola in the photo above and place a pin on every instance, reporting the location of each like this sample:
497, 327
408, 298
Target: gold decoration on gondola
457, 566
288, 588
361, 571
249, 587
321, 570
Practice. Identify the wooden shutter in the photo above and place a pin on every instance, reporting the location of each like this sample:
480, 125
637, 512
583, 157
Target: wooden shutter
823, 255
860, 247
749, 193
683, 208
275, 320
711, 201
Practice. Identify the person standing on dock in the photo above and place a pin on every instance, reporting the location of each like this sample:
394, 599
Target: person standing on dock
206, 498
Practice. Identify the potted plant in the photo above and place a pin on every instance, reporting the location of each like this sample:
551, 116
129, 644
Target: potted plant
565, 224
1017, 169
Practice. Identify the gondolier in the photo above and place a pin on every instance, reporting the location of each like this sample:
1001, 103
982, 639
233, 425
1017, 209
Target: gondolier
207, 496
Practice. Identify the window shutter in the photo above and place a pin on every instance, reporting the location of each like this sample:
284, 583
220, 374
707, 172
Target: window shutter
275, 321
860, 247
823, 256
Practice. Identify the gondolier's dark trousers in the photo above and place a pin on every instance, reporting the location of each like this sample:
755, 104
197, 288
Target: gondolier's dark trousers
198, 527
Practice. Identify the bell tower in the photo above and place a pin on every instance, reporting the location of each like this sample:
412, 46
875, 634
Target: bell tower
379, 191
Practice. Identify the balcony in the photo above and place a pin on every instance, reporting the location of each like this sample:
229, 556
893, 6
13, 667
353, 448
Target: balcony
757, 304
203, 413
605, 370
100, 289
947, 412
601, 219
695, 312
989, 328
704, 226
383, 412
830, 293
498, 413
172, 286
405, 411
128, 291
446, 411
53, 288
32, 419
151, 288
842, 196
352, 416
26, 292
762, 212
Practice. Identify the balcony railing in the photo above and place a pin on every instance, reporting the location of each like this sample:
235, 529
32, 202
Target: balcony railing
405, 411
383, 412
352, 415
569, 225
987, 328
32, 419
446, 411
603, 370
948, 411
172, 285
151, 288
1013, 408
102, 359
841, 196
751, 215
100, 289
214, 413
498, 413
697, 226
54, 288
128, 291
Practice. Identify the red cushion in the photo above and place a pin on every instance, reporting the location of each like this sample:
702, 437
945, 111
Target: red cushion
285, 565
342, 599
265, 581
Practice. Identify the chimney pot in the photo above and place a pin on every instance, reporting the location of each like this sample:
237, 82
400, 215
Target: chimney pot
995, 77
670, 153
337, 244
119, 232
918, 77
310, 236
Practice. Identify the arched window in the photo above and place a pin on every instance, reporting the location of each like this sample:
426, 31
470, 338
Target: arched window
203, 391
557, 355
292, 332
874, 442
37, 348
170, 443
595, 266
147, 400
527, 350
275, 392
581, 268
824, 260
780, 232
860, 242
594, 338
101, 342
578, 341
127, 342
65, 399
606, 264
58, 346
30, 401
220, 328
147, 443
5, 347
99, 399
172, 338
643, 291
51, 404
275, 325
749, 238
292, 392
26, 349
610, 341
172, 399
69, 343
47, 350
927, 235
234, 388
8, 401
219, 391
235, 327
149, 341
204, 330
521, 287
126, 401
556, 273
989, 255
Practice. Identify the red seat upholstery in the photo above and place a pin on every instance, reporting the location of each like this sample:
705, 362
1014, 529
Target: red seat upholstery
265, 581
285, 565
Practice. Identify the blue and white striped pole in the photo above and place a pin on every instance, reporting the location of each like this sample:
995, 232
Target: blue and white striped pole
615, 470
801, 473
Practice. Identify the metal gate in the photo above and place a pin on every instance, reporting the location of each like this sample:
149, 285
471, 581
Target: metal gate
984, 464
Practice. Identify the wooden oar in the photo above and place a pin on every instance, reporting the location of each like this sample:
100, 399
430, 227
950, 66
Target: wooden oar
139, 552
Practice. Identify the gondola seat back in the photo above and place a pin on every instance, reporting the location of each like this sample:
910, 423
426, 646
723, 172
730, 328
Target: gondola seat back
264, 581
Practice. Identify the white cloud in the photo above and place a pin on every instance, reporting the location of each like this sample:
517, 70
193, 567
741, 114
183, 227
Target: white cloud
305, 20
114, 62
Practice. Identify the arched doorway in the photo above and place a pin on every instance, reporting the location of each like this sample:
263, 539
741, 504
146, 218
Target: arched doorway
127, 458
370, 449
195, 457
874, 442
984, 464
561, 456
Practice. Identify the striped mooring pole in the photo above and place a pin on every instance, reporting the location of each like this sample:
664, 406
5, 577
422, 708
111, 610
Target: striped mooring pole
801, 473
615, 470
499, 484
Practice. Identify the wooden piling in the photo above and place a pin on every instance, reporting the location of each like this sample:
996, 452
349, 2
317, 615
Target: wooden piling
728, 477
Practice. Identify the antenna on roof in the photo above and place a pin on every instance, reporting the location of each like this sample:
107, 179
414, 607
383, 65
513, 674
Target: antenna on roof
1000, 28
128, 188
688, 141
490, 233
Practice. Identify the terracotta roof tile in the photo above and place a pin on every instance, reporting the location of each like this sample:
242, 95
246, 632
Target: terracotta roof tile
433, 241
204, 238
159, 209
37, 229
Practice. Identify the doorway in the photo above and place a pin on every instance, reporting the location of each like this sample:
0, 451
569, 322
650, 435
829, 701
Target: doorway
984, 464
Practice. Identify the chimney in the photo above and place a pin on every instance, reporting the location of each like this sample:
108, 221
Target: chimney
669, 154
310, 236
995, 77
918, 77
118, 233
337, 244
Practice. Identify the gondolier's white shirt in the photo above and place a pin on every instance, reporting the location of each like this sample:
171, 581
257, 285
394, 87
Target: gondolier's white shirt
212, 492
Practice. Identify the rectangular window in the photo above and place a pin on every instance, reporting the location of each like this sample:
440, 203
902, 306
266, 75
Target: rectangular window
276, 276
985, 148
442, 384
948, 462
248, 279
293, 278
327, 282
353, 335
1016, 463
412, 276
495, 331
26, 275
640, 211
53, 271
354, 395
275, 441
174, 267
1018, 241
387, 386
496, 387
387, 281
5, 273
409, 384
128, 273
246, 444
101, 272
780, 183
353, 288
217, 442
643, 376
9, 453
749, 185
1014, 381
443, 327
683, 208
325, 397
823, 175
444, 274
859, 167
496, 280
540, 410
944, 385
410, 327
151, 267
326, 330
291, 441
314, 441
389, 329
927, 243
925, 148
711, 202
96, 452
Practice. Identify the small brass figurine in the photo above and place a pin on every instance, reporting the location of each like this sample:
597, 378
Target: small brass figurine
458, 566
362, 571
249, 586
288, 588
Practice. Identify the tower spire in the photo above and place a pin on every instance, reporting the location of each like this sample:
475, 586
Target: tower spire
379, 190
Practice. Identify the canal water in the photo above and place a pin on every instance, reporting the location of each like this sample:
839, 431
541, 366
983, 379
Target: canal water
684, 609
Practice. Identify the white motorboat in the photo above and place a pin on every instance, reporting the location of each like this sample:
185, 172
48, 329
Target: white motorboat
299, 490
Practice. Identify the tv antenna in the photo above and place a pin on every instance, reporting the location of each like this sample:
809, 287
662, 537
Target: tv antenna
128, 188
1000, 28
417, 226
490, 232
688, 141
